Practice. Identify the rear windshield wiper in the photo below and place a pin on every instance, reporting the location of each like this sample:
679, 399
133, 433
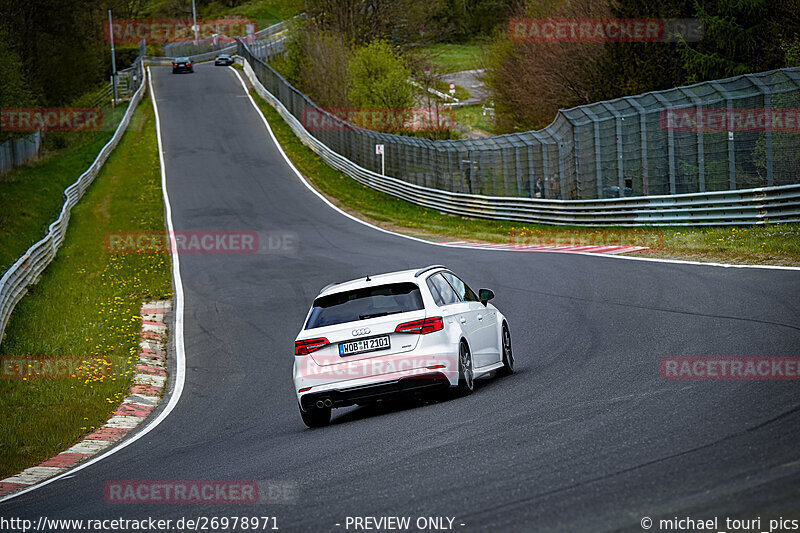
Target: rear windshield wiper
375, 315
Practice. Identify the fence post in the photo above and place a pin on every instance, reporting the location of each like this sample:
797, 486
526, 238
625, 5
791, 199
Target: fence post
643, 130
731, 133
768, 133
670, 143
620, 164
597, 155
701, 159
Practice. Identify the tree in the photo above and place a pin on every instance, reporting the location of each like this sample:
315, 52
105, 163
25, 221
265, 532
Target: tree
60, 44
379, 78
740, 36
323, 72
357, 21
630, 68
466, 20
14, 91
530, 81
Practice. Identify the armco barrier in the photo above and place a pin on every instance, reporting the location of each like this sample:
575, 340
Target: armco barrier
736, 207
27, 269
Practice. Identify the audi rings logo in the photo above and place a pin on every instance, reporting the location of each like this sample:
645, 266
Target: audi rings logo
361, 331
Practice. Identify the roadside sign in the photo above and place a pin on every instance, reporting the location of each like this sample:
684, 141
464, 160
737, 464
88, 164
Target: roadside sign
452, 88
379, 151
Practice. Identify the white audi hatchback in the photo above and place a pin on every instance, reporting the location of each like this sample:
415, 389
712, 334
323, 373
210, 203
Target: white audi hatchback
392, 333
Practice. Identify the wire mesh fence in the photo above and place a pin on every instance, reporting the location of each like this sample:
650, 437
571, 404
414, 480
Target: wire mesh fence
24, 148
19, 151
190, 48
731, 134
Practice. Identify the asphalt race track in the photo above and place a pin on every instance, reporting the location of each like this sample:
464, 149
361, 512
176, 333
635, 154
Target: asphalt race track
586, 436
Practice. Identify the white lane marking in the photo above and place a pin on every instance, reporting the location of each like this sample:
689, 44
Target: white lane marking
180, 354
417, 239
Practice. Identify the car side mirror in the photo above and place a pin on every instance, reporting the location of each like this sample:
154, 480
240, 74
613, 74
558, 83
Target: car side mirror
484, 295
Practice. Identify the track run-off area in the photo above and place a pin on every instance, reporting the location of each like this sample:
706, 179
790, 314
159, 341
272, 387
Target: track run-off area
586, 436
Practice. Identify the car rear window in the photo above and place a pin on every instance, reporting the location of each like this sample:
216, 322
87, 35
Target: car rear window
364, 303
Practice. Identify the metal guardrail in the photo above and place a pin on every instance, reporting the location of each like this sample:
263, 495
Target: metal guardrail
27, 269
735, 207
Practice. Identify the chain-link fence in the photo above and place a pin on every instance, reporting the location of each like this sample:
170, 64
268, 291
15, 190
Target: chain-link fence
737, 133
190, 48
19, 151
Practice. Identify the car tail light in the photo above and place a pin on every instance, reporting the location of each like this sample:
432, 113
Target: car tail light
307, 346
421, 327
174, 64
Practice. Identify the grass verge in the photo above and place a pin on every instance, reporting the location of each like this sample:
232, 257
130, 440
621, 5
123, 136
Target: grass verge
31, 195
774, 244
455, 57
87, 305
473, 117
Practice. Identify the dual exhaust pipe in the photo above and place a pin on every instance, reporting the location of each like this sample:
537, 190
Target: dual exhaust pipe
327, 402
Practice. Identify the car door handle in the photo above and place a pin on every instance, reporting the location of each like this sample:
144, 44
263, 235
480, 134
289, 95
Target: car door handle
463, 320
480, 317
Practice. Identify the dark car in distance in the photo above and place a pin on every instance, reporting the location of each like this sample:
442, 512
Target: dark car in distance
180, 64
223, 60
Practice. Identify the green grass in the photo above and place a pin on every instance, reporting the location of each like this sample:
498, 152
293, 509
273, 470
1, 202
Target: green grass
31, 195
86, 305
455, 57
777, 244
473, 117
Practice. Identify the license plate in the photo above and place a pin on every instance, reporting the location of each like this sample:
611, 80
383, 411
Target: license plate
364, 345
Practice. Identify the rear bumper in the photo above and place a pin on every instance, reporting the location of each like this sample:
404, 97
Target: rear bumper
367, 379
342, 396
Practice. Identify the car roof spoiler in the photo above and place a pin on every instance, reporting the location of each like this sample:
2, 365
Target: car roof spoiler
421, 271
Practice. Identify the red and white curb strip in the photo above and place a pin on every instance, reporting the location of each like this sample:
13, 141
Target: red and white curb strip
145, 393
594, 249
